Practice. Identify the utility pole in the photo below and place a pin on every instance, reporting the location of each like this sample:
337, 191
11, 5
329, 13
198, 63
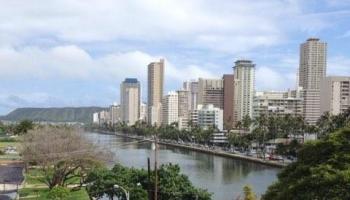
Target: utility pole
155, 167
149, 179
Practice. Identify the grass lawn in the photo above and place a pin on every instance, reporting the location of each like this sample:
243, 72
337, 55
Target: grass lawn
41, 194
32, 179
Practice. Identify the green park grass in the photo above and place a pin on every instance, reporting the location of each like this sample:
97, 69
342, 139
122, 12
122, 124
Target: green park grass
41, 194
35, 189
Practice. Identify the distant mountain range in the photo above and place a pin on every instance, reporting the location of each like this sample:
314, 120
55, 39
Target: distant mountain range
66, 114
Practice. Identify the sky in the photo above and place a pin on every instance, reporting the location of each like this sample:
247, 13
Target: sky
77, 52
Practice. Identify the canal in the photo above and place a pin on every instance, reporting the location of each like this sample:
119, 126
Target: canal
224, 177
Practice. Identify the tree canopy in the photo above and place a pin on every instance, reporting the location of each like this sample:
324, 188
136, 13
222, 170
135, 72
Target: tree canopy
172, 184
321, 172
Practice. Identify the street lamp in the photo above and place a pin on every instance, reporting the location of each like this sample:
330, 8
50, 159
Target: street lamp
124, 190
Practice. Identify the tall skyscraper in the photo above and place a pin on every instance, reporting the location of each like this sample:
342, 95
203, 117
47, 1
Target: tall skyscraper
244, 86
192, 87
155, 92
184, 108
312, 69
211, 91
170, 108
228, 100
130, 100
335, 94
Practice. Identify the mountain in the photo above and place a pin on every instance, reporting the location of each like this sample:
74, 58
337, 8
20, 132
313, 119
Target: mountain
66, 114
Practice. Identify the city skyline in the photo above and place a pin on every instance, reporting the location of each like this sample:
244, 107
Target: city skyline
58, 62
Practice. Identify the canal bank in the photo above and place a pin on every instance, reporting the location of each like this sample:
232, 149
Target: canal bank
221, 175
209, 151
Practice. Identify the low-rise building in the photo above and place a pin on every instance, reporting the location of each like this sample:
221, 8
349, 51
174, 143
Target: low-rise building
207, 116
278, 103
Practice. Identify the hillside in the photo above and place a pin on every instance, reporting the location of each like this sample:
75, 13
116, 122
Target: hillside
67, 114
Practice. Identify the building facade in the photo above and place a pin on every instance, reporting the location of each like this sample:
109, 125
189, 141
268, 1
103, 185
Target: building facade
244, 86
335, 94
207, 116
170, 108
312, 69
192, 87
278, 104
155, 92
115, 112
211, 91
184, 108
228, 100
130, 100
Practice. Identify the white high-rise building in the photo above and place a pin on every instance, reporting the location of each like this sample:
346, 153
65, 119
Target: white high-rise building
206, 116
143, 112
170, 108
312, 69
155, 92
130, 100
244, 87
335, 94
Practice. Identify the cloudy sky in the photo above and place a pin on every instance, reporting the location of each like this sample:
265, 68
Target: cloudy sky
76, 52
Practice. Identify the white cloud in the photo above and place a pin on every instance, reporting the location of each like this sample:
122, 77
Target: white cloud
229, 26
73, 63
269, 79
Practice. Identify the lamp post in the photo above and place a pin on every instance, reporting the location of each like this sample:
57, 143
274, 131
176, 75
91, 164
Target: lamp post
127, 195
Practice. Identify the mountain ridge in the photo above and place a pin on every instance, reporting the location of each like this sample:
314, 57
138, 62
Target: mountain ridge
53, 114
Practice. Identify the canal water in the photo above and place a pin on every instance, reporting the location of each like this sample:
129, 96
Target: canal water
224, 177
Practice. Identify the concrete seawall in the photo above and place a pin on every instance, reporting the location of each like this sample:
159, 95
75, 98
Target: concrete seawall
209, 151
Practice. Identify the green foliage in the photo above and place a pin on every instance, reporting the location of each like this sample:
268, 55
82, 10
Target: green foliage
23, 127
7, 139
290, 149
321, 172
58, 193
171, 131
328, 123
172, 184
248, 193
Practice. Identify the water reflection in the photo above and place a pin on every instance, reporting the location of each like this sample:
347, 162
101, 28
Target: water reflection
225, 177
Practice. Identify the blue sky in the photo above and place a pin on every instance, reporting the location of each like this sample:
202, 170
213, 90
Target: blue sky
76, 53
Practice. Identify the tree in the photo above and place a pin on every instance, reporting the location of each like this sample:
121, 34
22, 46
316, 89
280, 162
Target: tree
62, 153
321, 171
23, 127
172, 184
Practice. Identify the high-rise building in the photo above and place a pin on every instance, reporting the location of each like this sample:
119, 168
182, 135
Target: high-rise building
184, 108
211, 91
115, 112
335, 94
272, 103
155, 92
312, 69
206, 116
228, 100
244, 86
130, 100
143, 112
192, 87
170, 108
